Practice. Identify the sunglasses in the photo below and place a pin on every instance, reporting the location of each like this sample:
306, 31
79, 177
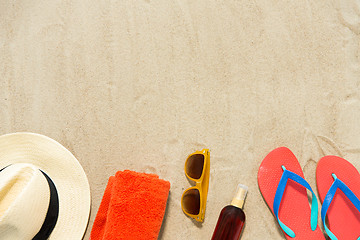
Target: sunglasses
197, 169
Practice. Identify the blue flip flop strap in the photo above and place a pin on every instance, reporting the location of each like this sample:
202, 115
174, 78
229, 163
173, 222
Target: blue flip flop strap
330, 196
279, 194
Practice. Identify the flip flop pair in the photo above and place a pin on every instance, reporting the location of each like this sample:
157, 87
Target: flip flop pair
283, 187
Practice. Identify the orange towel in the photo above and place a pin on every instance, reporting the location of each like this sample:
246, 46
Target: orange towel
132, 207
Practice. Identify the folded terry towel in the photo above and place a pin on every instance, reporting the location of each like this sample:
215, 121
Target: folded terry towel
132, 207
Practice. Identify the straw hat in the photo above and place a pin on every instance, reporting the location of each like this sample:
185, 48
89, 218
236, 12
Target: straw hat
44, 192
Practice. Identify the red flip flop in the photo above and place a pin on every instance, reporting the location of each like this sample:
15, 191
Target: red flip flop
340, 208
282, 185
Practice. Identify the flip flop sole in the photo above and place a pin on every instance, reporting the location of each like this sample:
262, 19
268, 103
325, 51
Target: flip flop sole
294, 208
343, 217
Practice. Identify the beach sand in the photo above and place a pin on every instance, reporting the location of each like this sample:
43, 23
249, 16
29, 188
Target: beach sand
139, 85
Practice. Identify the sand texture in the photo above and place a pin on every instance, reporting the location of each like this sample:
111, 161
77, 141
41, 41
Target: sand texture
141, 84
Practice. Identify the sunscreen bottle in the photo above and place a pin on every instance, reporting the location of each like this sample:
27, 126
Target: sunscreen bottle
232, 217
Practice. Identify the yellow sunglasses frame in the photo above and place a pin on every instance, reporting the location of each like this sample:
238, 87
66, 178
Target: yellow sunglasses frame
201, 184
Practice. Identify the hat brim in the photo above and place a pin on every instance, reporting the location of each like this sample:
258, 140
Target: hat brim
63, 169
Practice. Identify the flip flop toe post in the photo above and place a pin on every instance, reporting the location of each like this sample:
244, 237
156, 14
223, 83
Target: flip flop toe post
282, 185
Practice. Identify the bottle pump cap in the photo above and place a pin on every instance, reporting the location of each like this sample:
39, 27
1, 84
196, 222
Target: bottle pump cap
240, 196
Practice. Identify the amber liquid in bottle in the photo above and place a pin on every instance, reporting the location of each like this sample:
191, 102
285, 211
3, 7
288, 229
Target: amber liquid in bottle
232, 218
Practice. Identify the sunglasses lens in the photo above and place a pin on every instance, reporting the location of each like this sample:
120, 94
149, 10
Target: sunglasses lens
195, 165
191, 201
